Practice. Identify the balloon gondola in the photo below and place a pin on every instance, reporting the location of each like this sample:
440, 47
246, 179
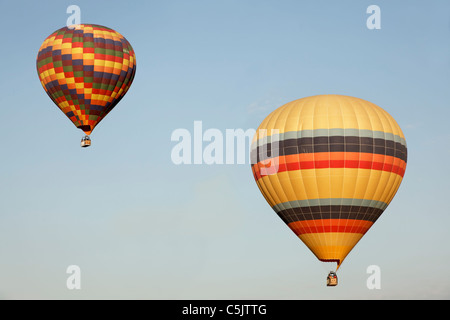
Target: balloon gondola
86, 70
85, 142
332, 279
329, 165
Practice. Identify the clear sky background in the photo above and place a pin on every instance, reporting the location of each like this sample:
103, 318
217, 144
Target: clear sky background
140, 227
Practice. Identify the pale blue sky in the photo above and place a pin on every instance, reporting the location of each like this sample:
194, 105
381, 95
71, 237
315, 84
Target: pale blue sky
141, 227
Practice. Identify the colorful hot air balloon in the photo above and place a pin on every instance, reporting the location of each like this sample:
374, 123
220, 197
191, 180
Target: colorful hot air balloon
329, 165
86, 71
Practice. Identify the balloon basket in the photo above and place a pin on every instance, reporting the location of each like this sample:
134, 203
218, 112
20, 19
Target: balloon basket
332, 279
85, 142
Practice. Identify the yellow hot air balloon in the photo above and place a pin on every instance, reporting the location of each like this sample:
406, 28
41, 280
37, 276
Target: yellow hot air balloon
329, 165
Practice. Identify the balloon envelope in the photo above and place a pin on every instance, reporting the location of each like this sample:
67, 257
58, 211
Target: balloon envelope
329, 165
86, 71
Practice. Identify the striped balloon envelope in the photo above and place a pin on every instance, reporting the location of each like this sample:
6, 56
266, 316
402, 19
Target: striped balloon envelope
86, 70
329, 165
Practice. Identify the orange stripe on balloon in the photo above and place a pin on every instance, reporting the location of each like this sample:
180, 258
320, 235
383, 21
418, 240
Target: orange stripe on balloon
330, 225
323, 160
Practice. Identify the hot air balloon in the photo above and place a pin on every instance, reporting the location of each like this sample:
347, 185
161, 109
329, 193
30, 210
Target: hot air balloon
86, 70
329, 165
